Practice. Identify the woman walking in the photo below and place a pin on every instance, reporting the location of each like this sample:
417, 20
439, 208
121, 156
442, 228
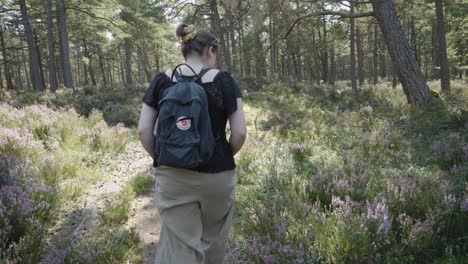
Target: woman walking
196, 204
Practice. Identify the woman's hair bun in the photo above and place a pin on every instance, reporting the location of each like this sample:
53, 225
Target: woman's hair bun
186, 32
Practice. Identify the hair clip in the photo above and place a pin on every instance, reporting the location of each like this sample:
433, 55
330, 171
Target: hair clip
191, 33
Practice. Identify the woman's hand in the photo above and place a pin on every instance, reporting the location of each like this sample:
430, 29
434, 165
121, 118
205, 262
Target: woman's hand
145, 128
238, 128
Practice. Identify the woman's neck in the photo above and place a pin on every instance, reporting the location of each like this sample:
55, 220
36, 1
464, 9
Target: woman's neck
195, 62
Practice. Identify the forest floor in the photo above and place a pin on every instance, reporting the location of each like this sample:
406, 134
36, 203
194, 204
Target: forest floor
79, 217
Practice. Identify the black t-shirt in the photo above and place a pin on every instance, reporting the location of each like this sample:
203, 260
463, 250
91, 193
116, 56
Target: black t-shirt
222, 94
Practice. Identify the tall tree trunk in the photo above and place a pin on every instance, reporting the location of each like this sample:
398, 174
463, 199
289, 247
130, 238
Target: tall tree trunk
145, 62
332, 66
1, 81
383, 60
101, 66
156, 58
444, 68
41, 68
6, 63
216, 22
413, 42
352, 52
369, 52
63, 34
232, 36
50, 44
435, 53
360, 56
121, 67
25, 64
273, 63
413, 82
87, 63
34, 67
299, 64
376, 53
128, 63
324, 53
260, 67
18, 69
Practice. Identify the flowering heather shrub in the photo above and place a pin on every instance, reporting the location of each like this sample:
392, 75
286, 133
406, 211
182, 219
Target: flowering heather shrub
354, 180
108, 244
299, 151
117, 105
41, 149
20, 144
25, 208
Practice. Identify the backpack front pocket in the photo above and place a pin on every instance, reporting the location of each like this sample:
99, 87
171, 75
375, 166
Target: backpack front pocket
179, 130
185, 155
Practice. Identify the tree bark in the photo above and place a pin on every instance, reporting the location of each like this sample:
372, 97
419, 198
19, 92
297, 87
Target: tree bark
260, 67
413, 82
376, 54
232, 36
360, 56
435, 53
383, 60
101, 66
332, 66
216, 22
444, 68
41, 68
128, 63
50, 44
18, 69
324, 52
369, 52
34, 67
1, 81
6, 64
63, 34
352, 51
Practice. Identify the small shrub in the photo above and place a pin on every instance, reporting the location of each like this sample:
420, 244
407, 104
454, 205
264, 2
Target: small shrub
142, 184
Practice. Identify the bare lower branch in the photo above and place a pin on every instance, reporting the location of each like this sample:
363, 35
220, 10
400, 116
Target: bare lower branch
91, 14
324, 13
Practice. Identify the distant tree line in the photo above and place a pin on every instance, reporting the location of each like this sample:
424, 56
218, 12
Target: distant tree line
65, 43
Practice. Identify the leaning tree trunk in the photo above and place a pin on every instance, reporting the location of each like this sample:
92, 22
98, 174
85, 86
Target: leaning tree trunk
34, 66
413, 82
444, 69
50, 44
63, 33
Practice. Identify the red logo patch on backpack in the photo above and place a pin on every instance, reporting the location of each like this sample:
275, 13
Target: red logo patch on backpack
183, 123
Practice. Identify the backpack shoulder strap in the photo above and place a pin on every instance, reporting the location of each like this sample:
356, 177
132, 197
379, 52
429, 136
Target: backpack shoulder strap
179, 76
202, 72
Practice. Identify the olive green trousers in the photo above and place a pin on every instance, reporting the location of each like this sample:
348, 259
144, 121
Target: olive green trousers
196, 211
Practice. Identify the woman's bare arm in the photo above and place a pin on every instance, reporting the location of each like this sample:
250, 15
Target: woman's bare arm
145, 128
238, 128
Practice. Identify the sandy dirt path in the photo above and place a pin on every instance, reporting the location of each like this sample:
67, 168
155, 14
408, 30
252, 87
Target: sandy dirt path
79, 217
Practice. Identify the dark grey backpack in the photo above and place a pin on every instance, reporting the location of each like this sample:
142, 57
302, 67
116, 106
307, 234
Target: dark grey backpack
184, 136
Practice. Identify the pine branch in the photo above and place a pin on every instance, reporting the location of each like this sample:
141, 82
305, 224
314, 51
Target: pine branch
324, 13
